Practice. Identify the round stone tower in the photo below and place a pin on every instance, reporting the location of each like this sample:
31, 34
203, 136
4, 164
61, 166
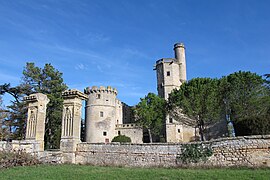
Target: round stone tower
101, 114
179, 51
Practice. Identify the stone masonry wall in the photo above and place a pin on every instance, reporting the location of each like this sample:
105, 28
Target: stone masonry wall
240, 151
33, 147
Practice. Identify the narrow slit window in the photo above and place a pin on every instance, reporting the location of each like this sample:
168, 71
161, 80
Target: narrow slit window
168, 73
101, 114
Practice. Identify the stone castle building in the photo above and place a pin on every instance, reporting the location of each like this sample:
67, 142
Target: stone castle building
107, 117
171, 73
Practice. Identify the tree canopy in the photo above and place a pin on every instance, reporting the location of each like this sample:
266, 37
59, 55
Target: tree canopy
46, 80
150, 114
247, 101
242, 96
198, 98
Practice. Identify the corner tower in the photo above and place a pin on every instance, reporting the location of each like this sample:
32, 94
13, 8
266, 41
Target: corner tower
103, 111
171, 72
180, 56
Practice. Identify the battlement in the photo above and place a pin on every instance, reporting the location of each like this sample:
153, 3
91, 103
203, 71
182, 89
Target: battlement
130, 125
35, 97
101, 89
71, 93
30, 98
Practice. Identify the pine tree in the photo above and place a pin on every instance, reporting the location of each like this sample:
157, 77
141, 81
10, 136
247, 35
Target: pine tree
198, 99
150, 114
48, 81
248, 101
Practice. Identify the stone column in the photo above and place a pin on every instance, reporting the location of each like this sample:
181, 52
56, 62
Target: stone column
35, 129
71, 124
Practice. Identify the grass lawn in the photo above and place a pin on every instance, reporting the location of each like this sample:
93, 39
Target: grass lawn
75, 172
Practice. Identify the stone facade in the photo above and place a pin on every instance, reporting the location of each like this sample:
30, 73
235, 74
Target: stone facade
107, 117
133, 131
71, 123
35, 129
171, 73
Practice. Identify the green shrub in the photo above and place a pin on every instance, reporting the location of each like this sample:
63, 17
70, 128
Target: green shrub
121, 138
194, 153
16, 158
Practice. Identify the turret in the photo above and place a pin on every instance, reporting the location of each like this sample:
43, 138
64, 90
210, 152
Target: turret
102, 113
171, 72
179, 51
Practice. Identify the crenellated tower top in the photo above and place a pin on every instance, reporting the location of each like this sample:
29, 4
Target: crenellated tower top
101, 89
74, 93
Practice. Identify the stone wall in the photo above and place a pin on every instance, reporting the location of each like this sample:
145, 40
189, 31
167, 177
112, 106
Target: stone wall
240, 151
53, 156
133, 131
33, 148
29, 146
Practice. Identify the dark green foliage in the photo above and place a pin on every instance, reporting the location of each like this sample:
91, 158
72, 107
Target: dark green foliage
16, 112
244, 96
194, 153
121, 138
198, 98
150, 114
247, 102
16, 158
48, 81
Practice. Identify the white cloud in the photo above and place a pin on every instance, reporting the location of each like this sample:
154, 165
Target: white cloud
81, 66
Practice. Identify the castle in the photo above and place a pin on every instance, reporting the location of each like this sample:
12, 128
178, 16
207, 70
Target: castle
107, 117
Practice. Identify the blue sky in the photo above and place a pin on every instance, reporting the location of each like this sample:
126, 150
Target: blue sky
116, 43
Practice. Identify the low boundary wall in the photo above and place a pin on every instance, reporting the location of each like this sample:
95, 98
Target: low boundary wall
250, 151
239, 151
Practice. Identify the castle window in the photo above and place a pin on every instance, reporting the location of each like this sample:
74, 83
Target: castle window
98, 96
168, 73
119, 133
101, 113
104, 133
178, 130
170, 120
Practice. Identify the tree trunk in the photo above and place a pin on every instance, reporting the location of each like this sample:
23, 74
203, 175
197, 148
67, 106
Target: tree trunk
201, 127
201, 132
150, 135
